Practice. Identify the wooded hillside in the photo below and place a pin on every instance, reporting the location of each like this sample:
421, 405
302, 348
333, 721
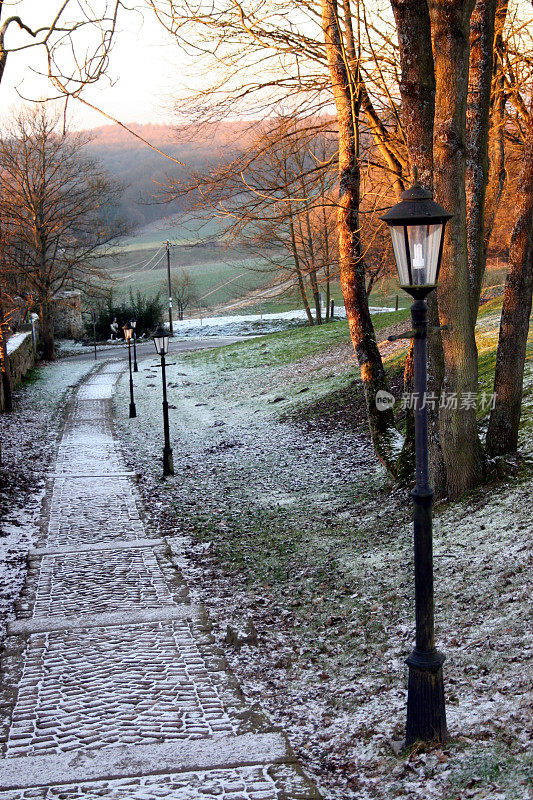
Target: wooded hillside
141, 168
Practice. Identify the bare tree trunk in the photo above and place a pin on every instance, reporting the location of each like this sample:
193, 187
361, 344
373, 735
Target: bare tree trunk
385, 437
417, 84
328, 291
418, 112
437, 466
458, 427
6, 377
303, 293
477, 126
299, 276
316, 296
312, 271
502, 435
326, 263
47, 332
497, 174
406, 462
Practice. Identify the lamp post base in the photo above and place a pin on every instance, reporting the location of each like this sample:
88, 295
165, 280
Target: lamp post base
168, 462
133, 411
426, 711
135, 368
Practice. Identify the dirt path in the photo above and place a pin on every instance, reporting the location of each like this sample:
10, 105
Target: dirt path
111, 685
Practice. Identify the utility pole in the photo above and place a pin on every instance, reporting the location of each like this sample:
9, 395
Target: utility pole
170, 324
94, 333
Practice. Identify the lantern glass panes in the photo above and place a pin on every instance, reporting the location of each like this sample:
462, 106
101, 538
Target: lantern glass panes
128, 330
417, 225
417, 252
161, 338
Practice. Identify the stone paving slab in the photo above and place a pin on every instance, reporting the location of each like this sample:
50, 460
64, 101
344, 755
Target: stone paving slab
88, 510
123, 762
94, 547
95, 392
100, 579
72, 624
240, 783
101, 582
111, 685
99, 474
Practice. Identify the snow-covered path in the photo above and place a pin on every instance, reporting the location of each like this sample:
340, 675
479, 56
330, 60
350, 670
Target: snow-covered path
111, 685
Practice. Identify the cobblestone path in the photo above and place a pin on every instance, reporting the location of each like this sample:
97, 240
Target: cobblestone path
111, 686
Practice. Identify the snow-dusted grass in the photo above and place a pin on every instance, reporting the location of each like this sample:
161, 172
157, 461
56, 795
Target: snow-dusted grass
300, 533
286, 347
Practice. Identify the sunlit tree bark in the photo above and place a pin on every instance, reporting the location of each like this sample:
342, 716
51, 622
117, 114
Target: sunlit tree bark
417, 86
478, 121
386, 439
497, 170
450, 21
502, 435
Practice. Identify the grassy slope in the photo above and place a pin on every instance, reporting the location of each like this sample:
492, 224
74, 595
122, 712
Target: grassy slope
288, 347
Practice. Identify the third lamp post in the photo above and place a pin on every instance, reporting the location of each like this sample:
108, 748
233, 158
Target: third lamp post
417, 229
128, 331
133, 324
161, 339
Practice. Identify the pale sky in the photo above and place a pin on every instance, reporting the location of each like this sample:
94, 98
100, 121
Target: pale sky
146, 65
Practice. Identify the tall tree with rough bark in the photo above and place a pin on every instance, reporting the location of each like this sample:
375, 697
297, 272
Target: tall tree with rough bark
346, 93
417, 86
450, 23
470, 67
502, 434
483, 185
447, 27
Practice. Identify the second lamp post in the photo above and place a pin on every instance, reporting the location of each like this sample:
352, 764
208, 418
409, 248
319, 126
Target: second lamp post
161, 347
417, 229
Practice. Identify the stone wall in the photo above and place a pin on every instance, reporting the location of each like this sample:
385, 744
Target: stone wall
21, 355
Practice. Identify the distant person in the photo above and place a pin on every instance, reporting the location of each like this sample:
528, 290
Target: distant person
114, 329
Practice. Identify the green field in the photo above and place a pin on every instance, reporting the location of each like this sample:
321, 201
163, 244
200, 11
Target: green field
139, 262
221, 274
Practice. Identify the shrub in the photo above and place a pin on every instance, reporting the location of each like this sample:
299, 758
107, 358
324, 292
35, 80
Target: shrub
148, 311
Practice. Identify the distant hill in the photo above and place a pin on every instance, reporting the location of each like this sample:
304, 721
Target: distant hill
141, 169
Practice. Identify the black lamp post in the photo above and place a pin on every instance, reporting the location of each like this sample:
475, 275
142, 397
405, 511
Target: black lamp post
161, 338
133, 324
128, 331
94, 332
417, 229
